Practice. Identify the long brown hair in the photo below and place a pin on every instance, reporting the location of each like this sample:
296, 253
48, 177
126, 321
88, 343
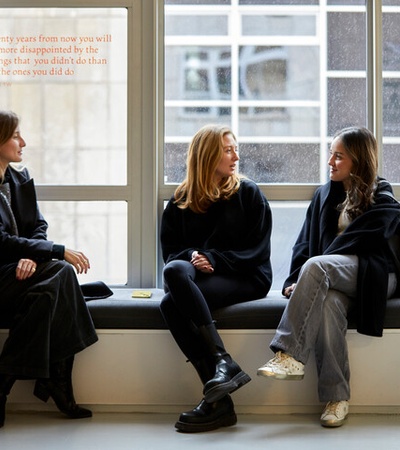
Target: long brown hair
199, 189
8, 124
362, 148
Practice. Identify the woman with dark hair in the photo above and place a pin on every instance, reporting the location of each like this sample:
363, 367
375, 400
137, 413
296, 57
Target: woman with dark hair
341, 260
40, 293
215, 238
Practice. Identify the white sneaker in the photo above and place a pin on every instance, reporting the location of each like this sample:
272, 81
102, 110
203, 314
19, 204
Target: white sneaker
335, 414
282, 367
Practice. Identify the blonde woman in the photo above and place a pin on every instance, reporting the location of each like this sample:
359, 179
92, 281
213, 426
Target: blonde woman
215, 238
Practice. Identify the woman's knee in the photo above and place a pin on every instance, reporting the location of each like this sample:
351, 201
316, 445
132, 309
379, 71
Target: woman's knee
176, 271
314, 266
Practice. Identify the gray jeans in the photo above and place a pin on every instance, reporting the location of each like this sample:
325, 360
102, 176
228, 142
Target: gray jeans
315, 318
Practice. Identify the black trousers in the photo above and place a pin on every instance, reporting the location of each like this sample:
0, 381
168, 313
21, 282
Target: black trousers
49, 319
191, 296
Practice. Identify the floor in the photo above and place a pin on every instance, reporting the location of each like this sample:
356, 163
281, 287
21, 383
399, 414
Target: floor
117, 431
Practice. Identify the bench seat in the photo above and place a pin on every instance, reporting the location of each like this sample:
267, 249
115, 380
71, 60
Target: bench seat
121, 311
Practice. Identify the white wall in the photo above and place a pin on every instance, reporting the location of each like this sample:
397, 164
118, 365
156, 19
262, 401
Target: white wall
141, 370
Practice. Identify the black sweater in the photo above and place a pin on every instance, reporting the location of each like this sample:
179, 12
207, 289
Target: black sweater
367, 237
234, 234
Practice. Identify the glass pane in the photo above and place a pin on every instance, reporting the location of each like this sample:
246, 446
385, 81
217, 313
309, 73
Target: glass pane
347, 2
278, 25
197, 73
280, 163
342, 112
184, 25
185, 121
391, 107
197, 2
270, 73
175, 162
346, 41
66, 77
288, 219
391, 40
391, 158
391, 92
90, 227
258, 121
278, 2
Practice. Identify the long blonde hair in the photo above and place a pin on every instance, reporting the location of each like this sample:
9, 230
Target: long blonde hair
362, 148
199, 189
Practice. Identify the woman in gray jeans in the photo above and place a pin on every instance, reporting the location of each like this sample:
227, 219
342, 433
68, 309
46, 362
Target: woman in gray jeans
341, 261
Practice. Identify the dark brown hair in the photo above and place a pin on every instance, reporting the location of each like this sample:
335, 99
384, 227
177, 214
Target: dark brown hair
9, 122
362, 148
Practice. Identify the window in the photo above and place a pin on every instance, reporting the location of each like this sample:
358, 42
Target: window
285, 75
66, 71
279, 72
107, 144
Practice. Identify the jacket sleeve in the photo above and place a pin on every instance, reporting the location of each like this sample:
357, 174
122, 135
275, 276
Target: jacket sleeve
301, 249
171, 234
13, 248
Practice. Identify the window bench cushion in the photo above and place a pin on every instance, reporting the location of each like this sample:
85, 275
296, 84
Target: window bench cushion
121, 311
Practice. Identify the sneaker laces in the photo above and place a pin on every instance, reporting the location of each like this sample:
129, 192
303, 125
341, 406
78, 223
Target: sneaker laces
281, 359
332, 409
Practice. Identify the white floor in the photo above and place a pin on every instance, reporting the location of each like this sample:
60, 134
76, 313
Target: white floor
115, 431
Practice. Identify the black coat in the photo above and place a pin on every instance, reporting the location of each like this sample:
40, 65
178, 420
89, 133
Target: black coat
31, 241
46, 313
367, 237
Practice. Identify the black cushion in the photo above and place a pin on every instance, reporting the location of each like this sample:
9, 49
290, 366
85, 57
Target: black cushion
121, 311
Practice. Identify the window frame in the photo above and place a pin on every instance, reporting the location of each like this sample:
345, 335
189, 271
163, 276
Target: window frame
139, 191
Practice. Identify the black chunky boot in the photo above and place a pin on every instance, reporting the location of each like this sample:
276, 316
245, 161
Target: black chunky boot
228, 375
59, 388
208, 416
205, 368
6, 383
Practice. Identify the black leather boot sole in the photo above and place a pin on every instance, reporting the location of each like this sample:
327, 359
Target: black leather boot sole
207, 416
214, 392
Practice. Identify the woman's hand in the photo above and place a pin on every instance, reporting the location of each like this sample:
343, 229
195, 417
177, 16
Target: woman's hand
77, 259
25, 269
288, 291
201, 262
